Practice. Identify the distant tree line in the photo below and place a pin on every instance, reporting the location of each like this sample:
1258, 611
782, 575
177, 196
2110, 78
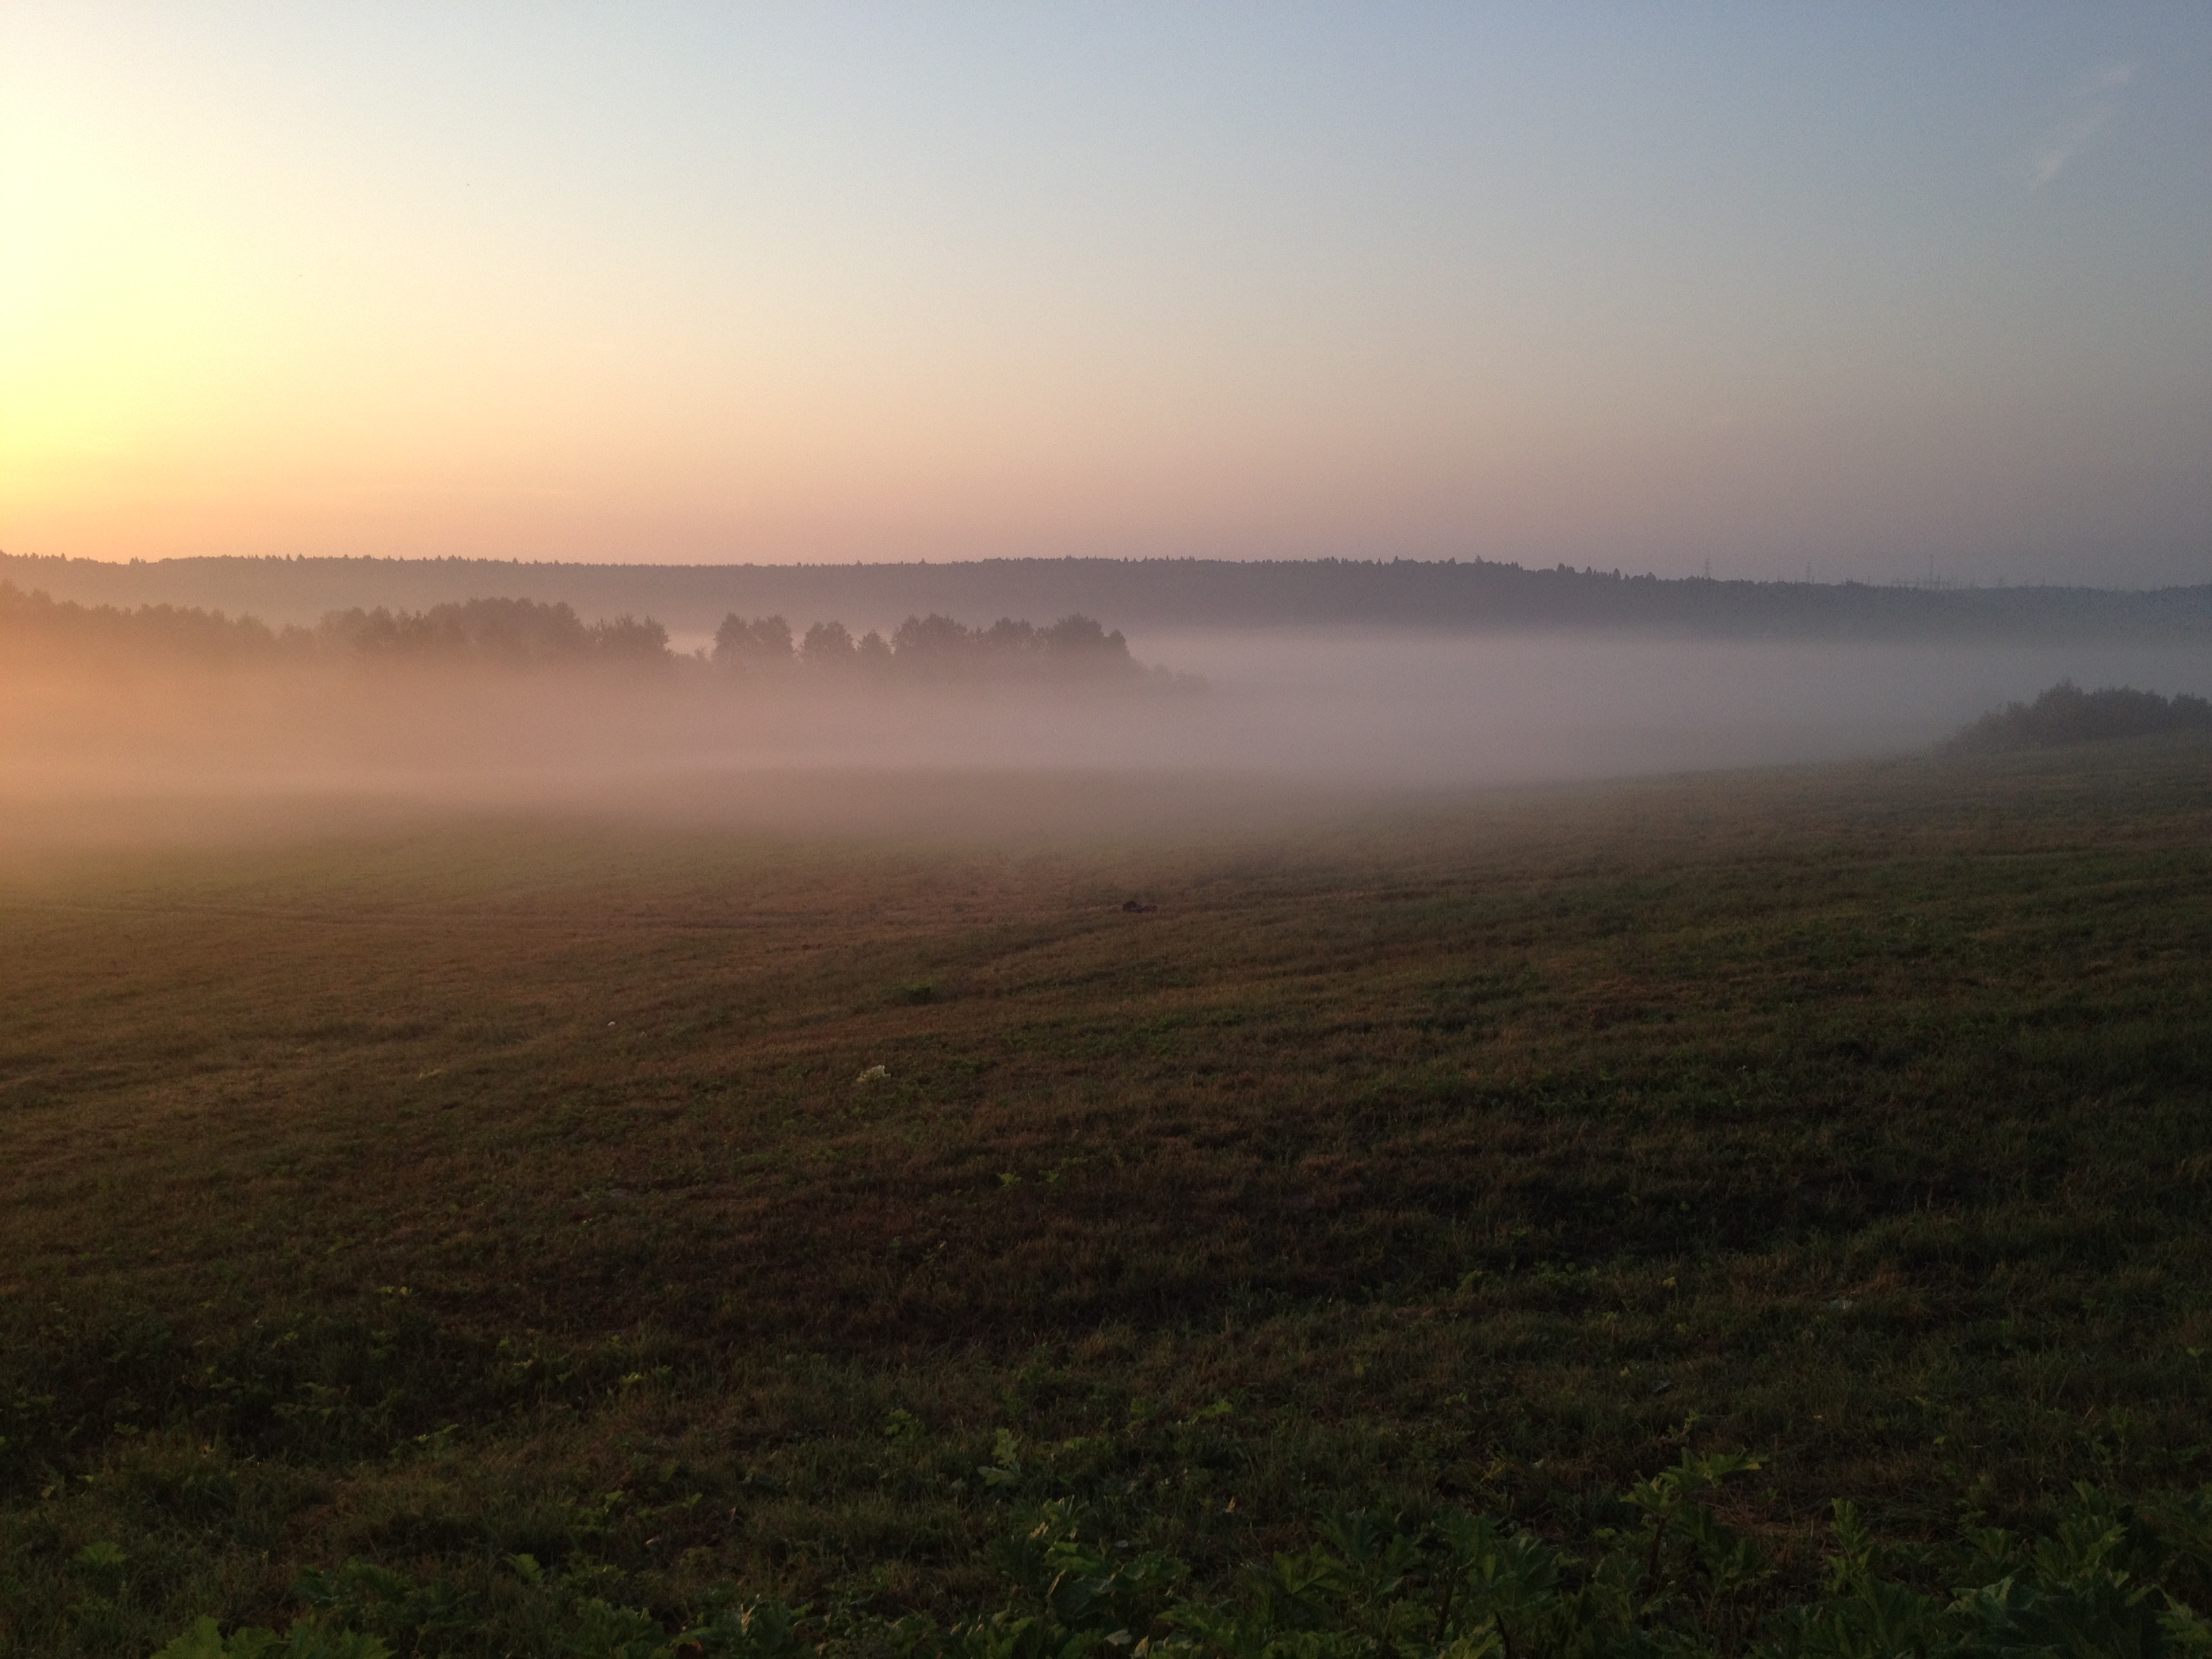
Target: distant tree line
2068, 714
1464, 595
35, 621
505, 633
514, 633
528, 634
934, 646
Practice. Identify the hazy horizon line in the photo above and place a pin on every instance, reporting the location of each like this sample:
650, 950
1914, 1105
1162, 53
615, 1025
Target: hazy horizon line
1936, 583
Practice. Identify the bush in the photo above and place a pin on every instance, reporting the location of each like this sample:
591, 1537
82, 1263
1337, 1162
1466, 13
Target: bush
2068, 714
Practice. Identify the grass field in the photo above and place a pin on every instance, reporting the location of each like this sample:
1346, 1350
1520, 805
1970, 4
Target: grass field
445, 1190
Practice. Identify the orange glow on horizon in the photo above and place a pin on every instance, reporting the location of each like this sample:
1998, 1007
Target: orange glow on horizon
244, 308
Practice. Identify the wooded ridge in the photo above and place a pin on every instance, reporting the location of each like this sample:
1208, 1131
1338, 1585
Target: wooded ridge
1461, 595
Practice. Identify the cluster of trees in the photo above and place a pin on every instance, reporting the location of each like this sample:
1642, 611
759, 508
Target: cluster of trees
934, 644
36, 622
512, 633
531, 634
2067, 714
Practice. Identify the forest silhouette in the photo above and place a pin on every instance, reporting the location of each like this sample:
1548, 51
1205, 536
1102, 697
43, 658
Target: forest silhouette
1430, 596
529, 633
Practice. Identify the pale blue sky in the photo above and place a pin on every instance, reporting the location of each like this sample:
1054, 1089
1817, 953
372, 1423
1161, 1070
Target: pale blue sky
1771, 286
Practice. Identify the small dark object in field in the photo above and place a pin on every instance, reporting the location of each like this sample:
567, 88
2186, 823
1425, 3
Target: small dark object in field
2066, 715
1137, 906
921, 991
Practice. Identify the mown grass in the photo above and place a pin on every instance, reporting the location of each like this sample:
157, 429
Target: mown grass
446, 1192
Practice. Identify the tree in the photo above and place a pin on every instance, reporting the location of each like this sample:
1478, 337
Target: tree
1080, 635
626, 639
827, 642
932, 635
764, 642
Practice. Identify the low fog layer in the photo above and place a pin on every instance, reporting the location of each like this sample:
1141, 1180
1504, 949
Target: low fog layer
1312, 708
1526, 707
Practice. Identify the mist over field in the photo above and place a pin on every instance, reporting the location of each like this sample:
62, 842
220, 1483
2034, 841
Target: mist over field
1537, 707
1249, 723
582, 697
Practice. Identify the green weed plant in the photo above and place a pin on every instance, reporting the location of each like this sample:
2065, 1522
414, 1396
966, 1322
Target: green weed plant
2106, 1581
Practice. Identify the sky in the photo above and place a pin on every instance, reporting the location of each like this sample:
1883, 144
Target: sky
1871, 292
